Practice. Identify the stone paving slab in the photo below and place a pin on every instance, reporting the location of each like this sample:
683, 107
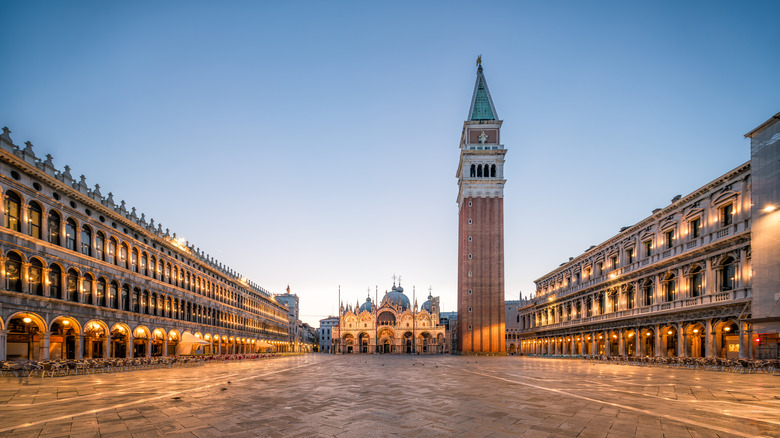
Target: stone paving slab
395, 396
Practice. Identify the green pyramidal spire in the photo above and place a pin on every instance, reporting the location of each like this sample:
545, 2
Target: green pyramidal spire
481, 104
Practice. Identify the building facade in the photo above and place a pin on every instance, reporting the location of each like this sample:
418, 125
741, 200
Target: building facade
393, 327
295, 325
84, 277
481, 227
325, 333
684, 282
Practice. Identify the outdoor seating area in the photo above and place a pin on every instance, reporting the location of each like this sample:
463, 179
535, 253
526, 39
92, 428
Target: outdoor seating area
744, 366
58, 368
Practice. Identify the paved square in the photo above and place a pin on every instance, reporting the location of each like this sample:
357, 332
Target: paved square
409, 396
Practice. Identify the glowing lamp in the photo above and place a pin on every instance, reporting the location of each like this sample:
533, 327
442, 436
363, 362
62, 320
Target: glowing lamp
669, 332
728, 329
769, 208
66, 322
696, 330
27, 320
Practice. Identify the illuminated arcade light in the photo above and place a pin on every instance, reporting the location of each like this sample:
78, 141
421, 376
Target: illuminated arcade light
27, 320
769, 208
728, 329
669, 332
66, 322
696, 330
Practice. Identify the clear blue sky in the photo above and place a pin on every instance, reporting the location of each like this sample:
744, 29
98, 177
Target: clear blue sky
316, 144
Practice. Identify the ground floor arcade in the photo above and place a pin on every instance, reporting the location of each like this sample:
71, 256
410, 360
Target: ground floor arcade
36, 336
724, 338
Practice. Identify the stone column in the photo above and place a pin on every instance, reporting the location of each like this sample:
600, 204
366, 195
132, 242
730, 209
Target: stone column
594, 345
741, 280
657, 336
24, 275
709, 339
149, 347
3, 339
709, 278
80, 346
621, 343
682, 340
130, 344
45, 347
165, 347
107, 349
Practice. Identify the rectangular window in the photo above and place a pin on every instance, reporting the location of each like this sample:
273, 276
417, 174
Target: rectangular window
727, 215
669, 238
695, 228
599, 268
630, 255
648, 248
613, 261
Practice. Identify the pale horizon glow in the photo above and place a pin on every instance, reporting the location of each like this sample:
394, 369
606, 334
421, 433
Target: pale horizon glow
316, 144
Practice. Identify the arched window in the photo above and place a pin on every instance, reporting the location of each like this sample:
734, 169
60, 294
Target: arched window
153, 267
134, 260
670, 288
35, 277
493, 170
602, 307
86, 241
70, 234
55, 281
123, 255
12, 211
479, 171
100, 246
136, 300
101, 292
144, 263
54, 228
112, 244
35, 217
697, 282
589, 307
728, 272
630, 297
113, 296
13, 272
86, 288
144, 302
125, 300
473, 171
72, 285
647, 293
613, 298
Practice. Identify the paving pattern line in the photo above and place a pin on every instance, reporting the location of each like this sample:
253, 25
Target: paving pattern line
617, 405
85, 397
122, 405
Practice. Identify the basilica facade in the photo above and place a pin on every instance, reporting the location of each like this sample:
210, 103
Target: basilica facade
394, 326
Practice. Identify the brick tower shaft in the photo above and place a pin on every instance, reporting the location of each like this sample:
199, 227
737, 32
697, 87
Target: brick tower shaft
481, 324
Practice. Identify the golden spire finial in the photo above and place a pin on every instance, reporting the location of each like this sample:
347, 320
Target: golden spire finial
479, 60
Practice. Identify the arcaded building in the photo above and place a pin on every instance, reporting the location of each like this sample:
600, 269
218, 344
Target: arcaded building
697, 278
395, 326
84, 277
481, 227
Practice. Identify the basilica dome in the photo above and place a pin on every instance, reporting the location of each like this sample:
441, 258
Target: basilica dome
368, 306
396, 298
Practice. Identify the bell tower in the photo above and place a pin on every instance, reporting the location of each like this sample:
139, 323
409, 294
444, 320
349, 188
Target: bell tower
481, 227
